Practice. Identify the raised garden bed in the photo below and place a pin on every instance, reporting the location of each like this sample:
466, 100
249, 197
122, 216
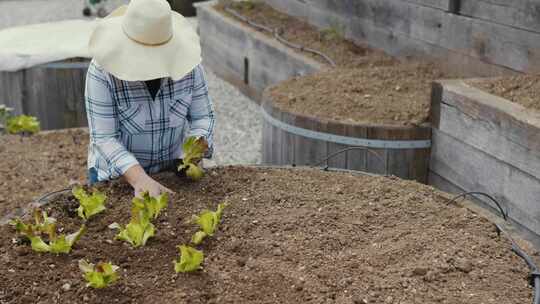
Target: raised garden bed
252, 60
483, 142
384, 109
32, 166
53, 92
337, 237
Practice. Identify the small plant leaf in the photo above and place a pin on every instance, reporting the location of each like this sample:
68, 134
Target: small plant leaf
38, 244
89, 205
193, 151
100, 275
151, 205
22, 123
209, 220
194, 172
198, 237
190, 259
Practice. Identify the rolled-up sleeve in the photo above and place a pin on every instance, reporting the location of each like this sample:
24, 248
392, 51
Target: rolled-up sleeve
201, 111
103, 124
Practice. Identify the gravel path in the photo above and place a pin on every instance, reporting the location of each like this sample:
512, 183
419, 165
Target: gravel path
238, 124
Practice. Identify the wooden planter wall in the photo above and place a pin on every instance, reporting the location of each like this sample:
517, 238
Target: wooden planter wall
53, 92
294, 139
485, 143
244, 57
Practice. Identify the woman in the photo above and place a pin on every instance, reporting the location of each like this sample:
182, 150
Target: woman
145, 93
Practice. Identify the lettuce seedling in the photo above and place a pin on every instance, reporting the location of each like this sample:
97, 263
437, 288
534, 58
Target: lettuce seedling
208, 222
46, 225
190, 259
22, 124
194, 149
89, 205
151, 205
100, 275
139, 229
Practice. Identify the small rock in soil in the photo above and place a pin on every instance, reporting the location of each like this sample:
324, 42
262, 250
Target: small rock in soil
66, 287
420, 271
464, 265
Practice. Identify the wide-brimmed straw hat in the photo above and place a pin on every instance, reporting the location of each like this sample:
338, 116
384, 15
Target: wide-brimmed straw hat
145, 40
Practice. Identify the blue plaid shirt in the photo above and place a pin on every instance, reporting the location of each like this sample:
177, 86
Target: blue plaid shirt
127, 127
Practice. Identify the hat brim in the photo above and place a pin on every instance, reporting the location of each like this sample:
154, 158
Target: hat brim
129, 60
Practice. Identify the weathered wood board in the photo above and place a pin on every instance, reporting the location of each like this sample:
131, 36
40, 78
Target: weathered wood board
283, 144
410, 27
485, 143
523, 14
235, 51
54, 95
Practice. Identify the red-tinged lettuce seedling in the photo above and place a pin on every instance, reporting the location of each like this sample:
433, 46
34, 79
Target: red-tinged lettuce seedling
194, 149
100, 275
190, 259
22, 124
152, 205
45, 225
208, 222
139, 229
89, 205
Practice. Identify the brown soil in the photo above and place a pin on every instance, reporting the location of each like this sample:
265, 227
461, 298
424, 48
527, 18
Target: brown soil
32, 166
398, 95
288, 236
329, 41
522, 89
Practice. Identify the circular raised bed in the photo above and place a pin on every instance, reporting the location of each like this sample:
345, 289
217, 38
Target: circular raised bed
291, 138
53, 92
287, 236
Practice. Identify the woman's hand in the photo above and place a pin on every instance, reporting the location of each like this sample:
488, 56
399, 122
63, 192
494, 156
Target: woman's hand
141, 182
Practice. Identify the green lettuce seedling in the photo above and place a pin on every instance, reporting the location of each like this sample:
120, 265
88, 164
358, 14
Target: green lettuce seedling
208, 222
89, 205
45, 225
190, 259
22, 124
152, 205
139, 229
100, 275
194, 149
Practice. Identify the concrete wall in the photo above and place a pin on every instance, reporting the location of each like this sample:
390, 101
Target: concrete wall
484, 37
485, 143
244, 57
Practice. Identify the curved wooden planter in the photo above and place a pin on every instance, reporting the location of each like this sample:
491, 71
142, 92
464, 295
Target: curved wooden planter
290, 138
53, 92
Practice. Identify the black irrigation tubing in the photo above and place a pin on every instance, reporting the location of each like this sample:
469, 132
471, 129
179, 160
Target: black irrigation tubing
534, 273
277, 35
329, 156
491, 198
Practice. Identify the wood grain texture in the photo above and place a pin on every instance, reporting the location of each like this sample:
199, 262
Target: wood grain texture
289, 148
54, 96
523, 14
473, 170
480, 46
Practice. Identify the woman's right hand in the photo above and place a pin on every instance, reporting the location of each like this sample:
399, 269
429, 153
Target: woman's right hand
141, 182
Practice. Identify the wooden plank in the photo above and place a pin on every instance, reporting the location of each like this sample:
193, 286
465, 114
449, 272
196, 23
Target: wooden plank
403, 28
339, 160
276, 141
473, 170
309, 151
502, 129
523, 14
357, 159
11, 90
287, 140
